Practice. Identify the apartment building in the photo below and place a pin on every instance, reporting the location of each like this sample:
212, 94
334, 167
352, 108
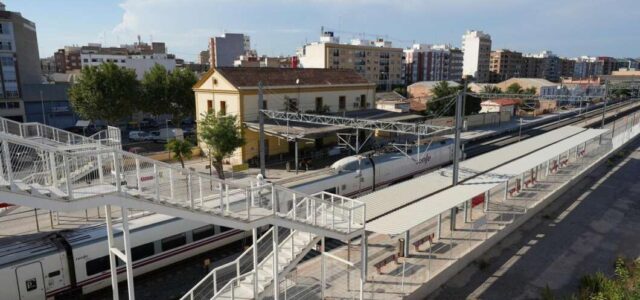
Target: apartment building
505, 64
476, 46
432, 63
376, 61
225, 49
234, 91
605, 65
584, 67
138, 56
19, 62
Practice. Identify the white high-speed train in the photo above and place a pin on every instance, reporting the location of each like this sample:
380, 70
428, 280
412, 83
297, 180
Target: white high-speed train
69, 263
358, 174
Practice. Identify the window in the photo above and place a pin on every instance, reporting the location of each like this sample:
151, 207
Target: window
203, 232
292, 104
224, 229
363, 100
142, 251
264, 104
122, 60
173, 241
12, 105
97, 265
94, 60
319, 104
209, 105
223, 108
85, 60
342, 102
7, 61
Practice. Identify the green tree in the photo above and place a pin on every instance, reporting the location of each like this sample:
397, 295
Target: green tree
222, 135
491, 89
155, 91
530, 91
106, 92
165, 92
445, 107
182, 97
181, 149
514, 88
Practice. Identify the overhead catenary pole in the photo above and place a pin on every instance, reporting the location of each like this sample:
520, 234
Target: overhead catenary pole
456, 149
606, 93
261, 122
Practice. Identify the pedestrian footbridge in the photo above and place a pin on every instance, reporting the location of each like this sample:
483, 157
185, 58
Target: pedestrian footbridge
48, 168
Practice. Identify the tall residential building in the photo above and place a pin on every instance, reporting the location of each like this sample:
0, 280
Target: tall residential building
568, 66
139, 56
432, 63
203, 58
605, 65
505, 64
376, 61
626, 63
225, 49
19, 62
585, 67
476, 46
545, 65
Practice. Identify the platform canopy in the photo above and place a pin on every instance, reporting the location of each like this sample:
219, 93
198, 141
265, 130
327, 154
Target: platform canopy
389, 199
412, 215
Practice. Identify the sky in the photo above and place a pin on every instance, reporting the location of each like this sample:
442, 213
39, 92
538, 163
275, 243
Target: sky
278, 27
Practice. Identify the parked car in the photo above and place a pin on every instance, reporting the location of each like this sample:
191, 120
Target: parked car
139, 135
163, 135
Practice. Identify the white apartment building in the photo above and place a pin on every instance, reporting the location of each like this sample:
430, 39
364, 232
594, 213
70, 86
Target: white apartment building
476, 46
95, 55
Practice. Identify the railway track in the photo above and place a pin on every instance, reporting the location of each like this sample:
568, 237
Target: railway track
590, 118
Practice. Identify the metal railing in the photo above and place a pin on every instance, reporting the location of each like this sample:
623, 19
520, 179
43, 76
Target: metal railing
110, 136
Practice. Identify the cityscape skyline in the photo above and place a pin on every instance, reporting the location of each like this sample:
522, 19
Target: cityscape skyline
120, 22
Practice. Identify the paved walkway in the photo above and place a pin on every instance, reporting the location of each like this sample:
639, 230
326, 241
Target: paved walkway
582, 232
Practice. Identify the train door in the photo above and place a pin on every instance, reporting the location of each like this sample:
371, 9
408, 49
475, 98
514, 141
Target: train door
30, 281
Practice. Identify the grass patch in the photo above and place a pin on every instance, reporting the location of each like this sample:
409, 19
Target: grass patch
624, 284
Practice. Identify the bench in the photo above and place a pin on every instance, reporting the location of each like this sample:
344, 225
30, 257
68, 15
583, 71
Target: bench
419, 242
513, 190
379, 265
564, 162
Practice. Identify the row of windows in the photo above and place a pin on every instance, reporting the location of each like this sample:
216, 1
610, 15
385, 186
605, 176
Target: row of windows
9, 105
86, 60
101, 264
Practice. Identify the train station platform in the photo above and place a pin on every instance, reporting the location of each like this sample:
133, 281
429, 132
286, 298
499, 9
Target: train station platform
438, 246
410, 191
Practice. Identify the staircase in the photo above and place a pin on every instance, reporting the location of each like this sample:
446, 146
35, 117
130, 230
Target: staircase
235, 280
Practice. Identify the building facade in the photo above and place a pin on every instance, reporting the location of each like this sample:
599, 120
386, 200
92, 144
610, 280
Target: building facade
432, 62
505, 64
49, 104
376, 61
139, 57
234, 91
19, 62
476, 46
225, 49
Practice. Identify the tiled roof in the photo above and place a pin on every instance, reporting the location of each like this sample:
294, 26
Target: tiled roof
249, 77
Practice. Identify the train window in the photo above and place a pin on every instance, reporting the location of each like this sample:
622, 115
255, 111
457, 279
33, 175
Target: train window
97, 265
142, 251
54, 274
203, 232
223, 229
173, 241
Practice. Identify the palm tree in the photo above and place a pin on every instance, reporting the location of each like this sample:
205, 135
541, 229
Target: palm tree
181, 149
491, 89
